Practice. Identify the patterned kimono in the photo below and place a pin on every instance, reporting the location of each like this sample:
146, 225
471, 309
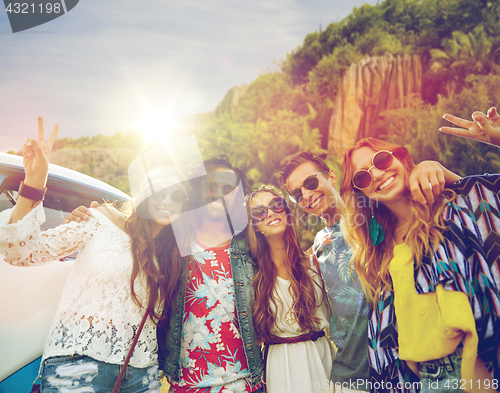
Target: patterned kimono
468, 260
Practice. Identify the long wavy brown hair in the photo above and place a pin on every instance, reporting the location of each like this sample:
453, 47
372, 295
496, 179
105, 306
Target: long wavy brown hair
372, 262
302, 284
158, 259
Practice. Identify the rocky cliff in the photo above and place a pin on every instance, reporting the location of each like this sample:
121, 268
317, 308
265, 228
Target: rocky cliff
231, 99
368, 88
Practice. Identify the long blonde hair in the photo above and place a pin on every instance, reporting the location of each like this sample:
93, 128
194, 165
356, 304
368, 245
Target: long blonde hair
301, 283
372, 262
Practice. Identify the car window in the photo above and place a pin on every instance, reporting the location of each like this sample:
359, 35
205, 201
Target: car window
54, 207
7, 199
55, 211
58, 201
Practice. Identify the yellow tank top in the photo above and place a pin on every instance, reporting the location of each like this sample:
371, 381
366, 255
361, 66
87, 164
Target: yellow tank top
431, 325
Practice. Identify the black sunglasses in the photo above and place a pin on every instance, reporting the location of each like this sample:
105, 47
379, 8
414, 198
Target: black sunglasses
211, 187
259, 213
177, 196
382, 160
310, 183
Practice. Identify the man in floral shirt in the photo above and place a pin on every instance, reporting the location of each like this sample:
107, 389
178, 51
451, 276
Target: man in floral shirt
349, 316
213, 357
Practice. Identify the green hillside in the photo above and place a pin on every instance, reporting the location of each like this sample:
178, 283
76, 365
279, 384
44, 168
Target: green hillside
289, 111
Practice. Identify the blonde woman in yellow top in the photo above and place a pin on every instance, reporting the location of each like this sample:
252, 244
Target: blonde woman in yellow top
431, 271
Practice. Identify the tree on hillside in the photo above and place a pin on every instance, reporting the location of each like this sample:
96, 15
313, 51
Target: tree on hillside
303, 59
465, 54
269, 94
316, 45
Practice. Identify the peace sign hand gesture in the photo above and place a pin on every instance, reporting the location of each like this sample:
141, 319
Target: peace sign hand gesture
484, 128
36, 157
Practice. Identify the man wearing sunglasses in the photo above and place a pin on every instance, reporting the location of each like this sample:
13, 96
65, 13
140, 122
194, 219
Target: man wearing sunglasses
209, 342
310, 183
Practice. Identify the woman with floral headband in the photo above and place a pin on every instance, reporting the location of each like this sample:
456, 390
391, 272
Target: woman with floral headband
430, 271
290, 311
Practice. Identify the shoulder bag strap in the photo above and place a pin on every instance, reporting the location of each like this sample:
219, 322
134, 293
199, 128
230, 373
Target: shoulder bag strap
129, 355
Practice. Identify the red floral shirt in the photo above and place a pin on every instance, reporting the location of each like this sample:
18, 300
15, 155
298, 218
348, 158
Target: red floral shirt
212, 354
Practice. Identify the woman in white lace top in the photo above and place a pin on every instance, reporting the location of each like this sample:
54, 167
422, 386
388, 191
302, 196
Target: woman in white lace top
126, 266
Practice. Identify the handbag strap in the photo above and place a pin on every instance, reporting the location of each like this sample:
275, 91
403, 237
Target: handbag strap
129, 355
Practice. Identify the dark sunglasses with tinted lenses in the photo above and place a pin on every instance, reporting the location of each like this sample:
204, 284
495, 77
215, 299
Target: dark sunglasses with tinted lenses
382, 160
259, 213
211, 187
310, 183
176, 196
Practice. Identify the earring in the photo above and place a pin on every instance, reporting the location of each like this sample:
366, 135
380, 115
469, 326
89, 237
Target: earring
375, 229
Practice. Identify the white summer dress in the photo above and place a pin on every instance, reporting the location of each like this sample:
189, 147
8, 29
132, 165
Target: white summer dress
300, 367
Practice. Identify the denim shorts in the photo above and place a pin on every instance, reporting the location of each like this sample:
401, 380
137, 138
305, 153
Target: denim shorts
442, 375
85, 374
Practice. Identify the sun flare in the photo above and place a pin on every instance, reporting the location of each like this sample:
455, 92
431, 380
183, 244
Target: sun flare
157, 125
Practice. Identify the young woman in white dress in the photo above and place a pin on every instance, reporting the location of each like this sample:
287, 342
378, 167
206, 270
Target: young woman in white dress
290, 310
127, 265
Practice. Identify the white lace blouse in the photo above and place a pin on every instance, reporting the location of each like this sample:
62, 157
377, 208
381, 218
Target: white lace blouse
96, 316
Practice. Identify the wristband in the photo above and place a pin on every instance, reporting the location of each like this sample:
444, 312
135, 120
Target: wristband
31, 193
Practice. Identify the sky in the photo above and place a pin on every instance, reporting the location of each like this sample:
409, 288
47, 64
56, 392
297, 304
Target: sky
106, 66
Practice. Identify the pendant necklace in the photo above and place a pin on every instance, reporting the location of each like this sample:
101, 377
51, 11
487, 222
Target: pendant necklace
290, 315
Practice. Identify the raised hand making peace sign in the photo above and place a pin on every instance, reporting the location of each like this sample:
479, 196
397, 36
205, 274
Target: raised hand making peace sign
484, 128
36, 157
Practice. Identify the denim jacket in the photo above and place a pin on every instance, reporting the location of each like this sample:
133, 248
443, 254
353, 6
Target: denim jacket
169, 330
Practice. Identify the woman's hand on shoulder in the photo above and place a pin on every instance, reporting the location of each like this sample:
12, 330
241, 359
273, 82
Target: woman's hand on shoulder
81, 213
483, 128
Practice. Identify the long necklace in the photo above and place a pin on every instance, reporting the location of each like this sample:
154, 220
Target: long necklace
290, 315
